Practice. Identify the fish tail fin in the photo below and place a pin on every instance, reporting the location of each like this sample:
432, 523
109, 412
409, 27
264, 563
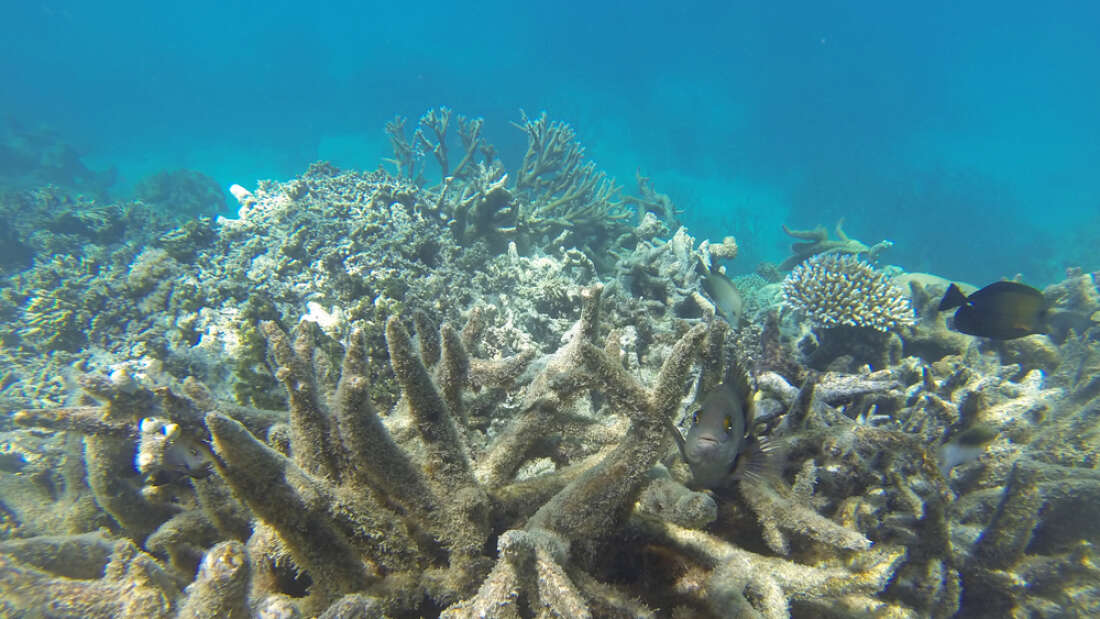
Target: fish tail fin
701, 267
954, 297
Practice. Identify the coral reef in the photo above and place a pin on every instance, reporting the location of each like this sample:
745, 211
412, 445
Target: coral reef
186, 194
816, 241
368, 396
38, 156
368, 244
50, 220
553, 199
399, 510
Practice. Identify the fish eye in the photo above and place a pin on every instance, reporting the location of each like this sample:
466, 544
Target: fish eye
728, 423
695, 418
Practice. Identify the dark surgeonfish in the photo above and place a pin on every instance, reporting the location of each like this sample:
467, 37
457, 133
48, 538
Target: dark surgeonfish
720, 434
1001, 310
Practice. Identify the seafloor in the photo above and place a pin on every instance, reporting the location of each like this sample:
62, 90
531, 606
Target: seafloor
447, 390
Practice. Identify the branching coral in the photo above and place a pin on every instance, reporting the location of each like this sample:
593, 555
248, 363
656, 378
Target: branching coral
745, 584
649, 200
975, 529
397, 512
442, 506
133, 584
431, 136
485, 209
365, 508
816, 241
563, 192
844, 291
554, 198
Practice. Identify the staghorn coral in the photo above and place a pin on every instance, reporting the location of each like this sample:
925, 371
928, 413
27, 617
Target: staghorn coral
133, 584
746, 584
396, 513
661, 205
552, 199
859, 447
817, 242
563, 194
432, 136
975, 531
89, 577
485, 208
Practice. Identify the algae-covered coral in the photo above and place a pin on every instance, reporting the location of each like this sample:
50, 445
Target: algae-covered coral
371, 395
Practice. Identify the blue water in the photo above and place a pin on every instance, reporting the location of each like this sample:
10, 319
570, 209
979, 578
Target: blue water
967, 133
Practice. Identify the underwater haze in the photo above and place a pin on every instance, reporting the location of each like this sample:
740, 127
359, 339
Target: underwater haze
509, 309
966, 133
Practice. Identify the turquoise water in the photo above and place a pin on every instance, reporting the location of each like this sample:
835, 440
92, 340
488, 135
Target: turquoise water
893, 457
966, 133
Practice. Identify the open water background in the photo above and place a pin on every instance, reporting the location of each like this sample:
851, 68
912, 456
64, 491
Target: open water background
967, 133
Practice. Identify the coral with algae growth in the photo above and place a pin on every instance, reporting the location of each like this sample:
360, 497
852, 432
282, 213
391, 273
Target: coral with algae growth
380, 512
816, 242
352, 509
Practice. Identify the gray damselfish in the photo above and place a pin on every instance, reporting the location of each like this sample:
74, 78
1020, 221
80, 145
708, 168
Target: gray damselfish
719, 433
727, 298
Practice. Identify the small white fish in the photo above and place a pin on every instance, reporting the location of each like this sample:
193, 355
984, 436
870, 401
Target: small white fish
964, 447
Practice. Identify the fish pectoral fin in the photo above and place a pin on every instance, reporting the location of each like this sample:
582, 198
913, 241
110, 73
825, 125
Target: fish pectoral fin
680, 443
1024, 327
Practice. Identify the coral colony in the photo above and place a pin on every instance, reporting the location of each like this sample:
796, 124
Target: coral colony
379, 395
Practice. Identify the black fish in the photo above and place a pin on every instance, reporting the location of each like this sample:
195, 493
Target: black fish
1001, 310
